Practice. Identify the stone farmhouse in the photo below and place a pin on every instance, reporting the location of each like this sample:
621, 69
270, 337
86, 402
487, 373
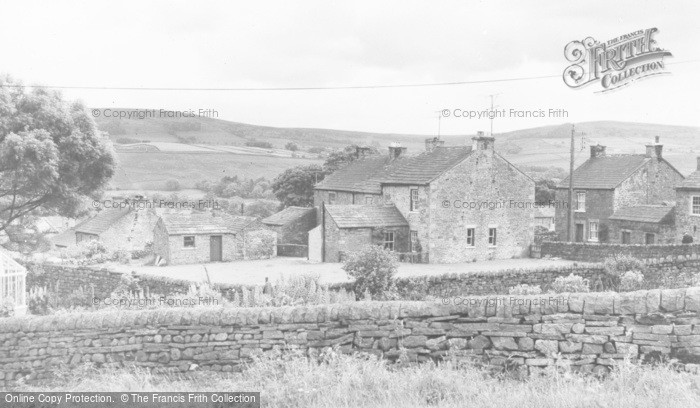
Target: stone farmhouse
198, 237
688, 205
445, 205
620, 198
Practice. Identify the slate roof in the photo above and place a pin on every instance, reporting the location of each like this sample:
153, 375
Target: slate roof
605, 173
425, 167
368, 174
204, 223
360, 176
287, 215
102, 221
361, 216
64, 239
691, 182
645, 213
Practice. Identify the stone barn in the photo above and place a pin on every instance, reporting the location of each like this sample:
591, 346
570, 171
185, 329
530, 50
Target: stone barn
208, 237
643, 225
292, 226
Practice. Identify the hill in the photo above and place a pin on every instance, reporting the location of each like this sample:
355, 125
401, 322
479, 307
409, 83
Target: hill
153, 150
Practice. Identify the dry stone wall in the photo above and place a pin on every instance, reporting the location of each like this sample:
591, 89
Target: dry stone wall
583, 252
527, 334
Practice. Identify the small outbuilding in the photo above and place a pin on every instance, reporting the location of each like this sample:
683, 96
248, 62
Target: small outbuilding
210, 237
292, 226
13, 277
643, 225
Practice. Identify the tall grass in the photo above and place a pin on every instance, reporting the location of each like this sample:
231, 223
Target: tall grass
365, 381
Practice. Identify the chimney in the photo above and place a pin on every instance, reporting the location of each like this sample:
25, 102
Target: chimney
482, 142
597, 151
432, 142
396, 151
655, 150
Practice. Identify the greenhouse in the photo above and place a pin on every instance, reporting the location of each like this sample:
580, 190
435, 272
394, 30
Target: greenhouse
12, 283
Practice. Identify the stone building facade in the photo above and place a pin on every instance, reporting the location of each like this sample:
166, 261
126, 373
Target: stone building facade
688, 206
606, 183
643, 225
202, 237
460, 203
127, 228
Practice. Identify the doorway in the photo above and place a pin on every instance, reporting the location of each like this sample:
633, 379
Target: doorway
215, 248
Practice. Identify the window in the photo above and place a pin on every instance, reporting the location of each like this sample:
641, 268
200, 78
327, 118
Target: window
388, 241
368, 200
414, 199
470, 237
649, 239
696, 206
626, 237
580, 205
331, 198
492, 236
593, 231
414, 241
189, 242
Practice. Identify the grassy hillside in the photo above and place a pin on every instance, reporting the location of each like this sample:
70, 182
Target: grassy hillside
193, 149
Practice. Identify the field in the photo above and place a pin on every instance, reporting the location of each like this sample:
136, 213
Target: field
347, 381
150, 171
194, 149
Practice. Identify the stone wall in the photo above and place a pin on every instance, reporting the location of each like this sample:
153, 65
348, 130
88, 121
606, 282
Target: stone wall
526, 334
598, 252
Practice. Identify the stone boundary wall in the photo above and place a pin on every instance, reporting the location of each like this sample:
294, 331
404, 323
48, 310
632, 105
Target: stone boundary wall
527, 334
583, 252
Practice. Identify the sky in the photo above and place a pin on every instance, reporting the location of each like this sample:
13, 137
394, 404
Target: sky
266, 44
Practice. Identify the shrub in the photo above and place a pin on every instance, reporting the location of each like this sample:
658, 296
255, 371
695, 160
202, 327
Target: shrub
525, 289
291, 146
687, 239
256, 143
172, 185
632, 280
616, 266
122, 256
261, 245
373, 268
7, 308
570, 284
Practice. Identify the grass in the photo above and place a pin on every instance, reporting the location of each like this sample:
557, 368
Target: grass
364, 381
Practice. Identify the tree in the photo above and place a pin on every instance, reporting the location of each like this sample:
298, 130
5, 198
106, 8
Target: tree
343, 157
545, 190
52, 155
295, 187
291, 146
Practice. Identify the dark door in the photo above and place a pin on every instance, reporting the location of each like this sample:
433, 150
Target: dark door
215, 248
579, 232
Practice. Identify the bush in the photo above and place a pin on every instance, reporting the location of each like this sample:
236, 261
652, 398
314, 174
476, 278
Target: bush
261, 245
291, 146
373, 268
687, 239
525, 289
616, 266
7, 308
570, 284
256, 143
632, 280
172, 185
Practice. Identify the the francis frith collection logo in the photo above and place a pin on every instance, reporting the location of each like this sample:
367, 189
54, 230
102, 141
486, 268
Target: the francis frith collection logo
615, 63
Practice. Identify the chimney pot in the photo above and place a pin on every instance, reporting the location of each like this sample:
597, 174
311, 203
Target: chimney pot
483, 142
396, 151
657, 139
597, 151
432, 142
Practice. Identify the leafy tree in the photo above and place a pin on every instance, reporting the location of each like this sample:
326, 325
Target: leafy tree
341, 158
172, 185
52, 155
295, 186
545, 190
291, 146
